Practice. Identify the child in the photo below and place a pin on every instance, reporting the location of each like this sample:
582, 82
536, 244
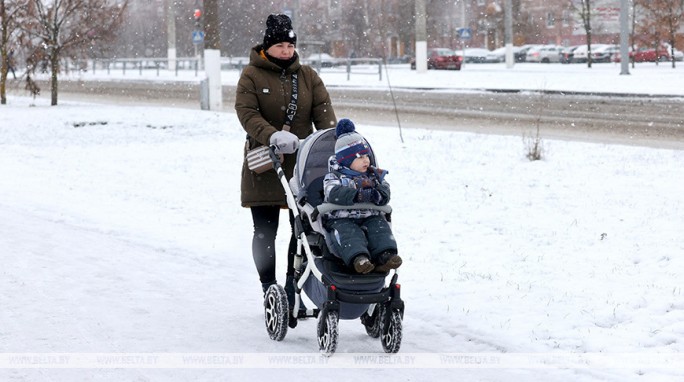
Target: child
362, 238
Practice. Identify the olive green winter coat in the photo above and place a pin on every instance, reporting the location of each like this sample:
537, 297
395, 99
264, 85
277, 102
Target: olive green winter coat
263, 93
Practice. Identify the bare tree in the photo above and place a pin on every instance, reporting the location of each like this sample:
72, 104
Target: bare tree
661, 22
10, 13
584, 9
66, 27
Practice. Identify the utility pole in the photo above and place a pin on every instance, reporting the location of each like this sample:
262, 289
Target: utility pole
295, 16
212, 54
171, 34
463, 27
624, 37
508, 32
211, 25
421, 37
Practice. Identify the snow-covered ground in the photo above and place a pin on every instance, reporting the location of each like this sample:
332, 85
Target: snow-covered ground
125, 254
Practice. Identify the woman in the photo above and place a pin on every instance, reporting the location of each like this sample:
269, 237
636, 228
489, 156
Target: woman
269, 87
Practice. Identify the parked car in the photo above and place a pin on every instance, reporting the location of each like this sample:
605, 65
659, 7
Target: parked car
521, 55
325, 60
474, 55
441, 58
544, 54
499, 55
496, 55
567, 54
607, 53
646, 54
581, 54
678, 55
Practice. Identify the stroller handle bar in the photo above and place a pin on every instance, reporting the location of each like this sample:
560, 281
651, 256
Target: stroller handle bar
329, 207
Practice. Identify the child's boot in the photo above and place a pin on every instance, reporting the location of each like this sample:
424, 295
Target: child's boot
387, 261
362, 264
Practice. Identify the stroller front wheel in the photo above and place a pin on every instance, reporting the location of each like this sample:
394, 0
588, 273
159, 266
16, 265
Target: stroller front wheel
276, 312
391, 330
327, 332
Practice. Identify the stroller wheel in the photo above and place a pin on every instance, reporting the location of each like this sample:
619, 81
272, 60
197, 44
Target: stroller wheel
276, 312
391, 330
372, 322
327, 332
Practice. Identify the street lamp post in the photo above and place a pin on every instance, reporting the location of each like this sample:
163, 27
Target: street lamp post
421, 37
624, 37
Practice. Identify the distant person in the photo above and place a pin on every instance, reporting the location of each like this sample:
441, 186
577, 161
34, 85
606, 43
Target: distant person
361, 237
272, 83
11, 63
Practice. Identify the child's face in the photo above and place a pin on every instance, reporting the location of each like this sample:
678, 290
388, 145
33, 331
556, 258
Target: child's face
360, 164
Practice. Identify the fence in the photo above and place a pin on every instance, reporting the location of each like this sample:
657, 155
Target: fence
356, 66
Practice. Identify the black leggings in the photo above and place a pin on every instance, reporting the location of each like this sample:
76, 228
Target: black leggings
265, 220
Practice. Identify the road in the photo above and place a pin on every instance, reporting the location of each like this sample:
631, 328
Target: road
649, 121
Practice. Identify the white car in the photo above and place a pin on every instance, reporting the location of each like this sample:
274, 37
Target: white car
678, 55
499, 55
606, 53
544, 54
474, 55
582, 55
323, 59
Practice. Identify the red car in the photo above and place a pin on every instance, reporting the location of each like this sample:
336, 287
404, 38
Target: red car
650, 55
441, 58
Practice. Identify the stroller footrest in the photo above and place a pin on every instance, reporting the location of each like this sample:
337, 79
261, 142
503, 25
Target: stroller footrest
357, 298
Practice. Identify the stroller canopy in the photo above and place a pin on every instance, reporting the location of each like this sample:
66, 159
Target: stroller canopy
312, 166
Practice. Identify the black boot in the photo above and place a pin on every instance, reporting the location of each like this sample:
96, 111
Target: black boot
265, 286
388, 261
290, 291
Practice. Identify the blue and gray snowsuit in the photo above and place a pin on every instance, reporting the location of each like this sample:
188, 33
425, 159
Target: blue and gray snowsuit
359, 231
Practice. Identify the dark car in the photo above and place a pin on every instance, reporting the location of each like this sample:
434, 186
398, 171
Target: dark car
441, 58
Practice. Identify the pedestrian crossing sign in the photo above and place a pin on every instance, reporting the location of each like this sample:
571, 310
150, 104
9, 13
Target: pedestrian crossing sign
465, 33
197, 37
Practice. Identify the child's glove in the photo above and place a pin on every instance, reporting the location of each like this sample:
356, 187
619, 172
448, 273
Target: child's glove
369, 195
384, 191
364, 182
379, 173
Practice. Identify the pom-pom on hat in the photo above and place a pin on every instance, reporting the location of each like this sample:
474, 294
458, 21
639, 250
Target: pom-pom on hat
278, 29
350, 144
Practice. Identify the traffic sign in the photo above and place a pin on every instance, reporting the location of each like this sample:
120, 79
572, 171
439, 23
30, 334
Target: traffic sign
465, 33
197, 37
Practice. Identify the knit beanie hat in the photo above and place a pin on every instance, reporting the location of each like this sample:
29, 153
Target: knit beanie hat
350, 144
278, 29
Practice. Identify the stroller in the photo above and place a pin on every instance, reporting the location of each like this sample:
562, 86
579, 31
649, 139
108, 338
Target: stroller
337, 291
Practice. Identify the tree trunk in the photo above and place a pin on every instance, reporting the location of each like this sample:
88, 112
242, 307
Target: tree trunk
54, 67
3, 81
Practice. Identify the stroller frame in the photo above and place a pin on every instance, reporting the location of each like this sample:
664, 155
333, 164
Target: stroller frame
335, 292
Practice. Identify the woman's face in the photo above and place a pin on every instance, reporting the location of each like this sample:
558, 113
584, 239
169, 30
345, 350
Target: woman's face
282, 50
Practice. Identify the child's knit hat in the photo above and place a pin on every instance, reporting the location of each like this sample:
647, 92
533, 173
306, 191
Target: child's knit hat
350, 144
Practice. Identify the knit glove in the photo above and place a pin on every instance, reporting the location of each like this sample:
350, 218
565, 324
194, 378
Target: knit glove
364, 182
384, 191
369, 195
285, 142
379, 173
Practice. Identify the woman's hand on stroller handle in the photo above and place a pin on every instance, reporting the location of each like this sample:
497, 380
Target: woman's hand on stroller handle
284, 141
